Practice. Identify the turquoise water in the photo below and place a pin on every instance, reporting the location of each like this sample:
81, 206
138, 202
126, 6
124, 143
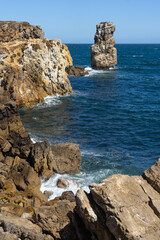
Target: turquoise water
114, 115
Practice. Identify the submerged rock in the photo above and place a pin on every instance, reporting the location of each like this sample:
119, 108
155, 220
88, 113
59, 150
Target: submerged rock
103, 52
31, 67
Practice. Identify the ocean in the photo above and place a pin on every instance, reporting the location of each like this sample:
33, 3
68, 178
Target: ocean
113, 115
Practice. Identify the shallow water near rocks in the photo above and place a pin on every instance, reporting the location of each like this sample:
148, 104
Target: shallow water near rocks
114, 115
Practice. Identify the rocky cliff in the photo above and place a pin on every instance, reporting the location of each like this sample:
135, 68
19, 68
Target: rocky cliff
120, 207
31, 67
25, 212
103, 52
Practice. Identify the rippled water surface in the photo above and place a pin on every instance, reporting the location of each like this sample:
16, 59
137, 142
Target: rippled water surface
114, 115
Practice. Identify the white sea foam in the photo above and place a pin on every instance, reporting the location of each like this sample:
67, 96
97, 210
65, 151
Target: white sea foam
51, 101
51, 185
83, 178
88, 69
134, 56
100, 72
36, 139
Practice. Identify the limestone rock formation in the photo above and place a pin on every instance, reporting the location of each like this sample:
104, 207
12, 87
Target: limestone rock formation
31, 67
103, 52
120, 207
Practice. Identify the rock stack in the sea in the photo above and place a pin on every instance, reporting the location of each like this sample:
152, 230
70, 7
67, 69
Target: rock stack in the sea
103, 52
31, 67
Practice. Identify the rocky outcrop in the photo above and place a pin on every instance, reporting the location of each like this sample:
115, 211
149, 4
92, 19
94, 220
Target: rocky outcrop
76, 71
121, 207
103, 52
31, 67
25, 212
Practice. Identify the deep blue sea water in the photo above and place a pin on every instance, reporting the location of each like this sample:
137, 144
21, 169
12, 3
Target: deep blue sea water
114, 115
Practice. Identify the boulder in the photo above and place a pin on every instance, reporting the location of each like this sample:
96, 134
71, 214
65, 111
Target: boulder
67, 158
64, 183
103, 53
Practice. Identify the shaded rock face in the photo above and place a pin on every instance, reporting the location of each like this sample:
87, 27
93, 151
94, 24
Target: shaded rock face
31, 67
103, 53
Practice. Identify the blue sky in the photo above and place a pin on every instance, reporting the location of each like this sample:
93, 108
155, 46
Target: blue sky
137, 21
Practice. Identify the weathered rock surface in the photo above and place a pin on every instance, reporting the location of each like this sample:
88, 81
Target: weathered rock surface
41, 158
120, 207
103, 52
54, 219
21, 164
67, 158
11, 31
20, 227
76, 71
31, 67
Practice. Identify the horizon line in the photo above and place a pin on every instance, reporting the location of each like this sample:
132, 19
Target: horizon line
115, 44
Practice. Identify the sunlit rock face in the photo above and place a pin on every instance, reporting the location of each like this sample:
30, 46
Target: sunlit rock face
31, 67
103, 52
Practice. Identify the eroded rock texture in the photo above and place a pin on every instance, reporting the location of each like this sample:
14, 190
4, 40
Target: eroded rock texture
31, 67
25, 212
121, 207
103, 52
